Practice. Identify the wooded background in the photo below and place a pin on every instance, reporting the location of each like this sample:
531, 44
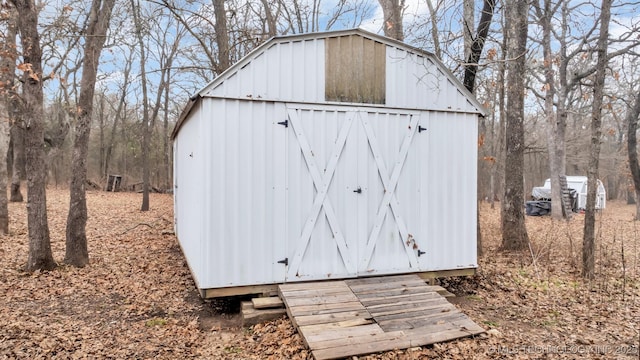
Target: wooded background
188, 43
104, 82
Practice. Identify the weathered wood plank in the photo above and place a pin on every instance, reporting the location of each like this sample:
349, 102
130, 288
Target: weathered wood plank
402, 298
407, 301
319, 309
312, 285
315, 292
406, 309
329, 299
434, 311
267, 302
380, 279
400, 342
416, 281
333, 317
255, 316
370, 329
393, 292
354, 340
321, 328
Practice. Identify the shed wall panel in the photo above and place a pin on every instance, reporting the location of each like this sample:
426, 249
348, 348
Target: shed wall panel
244, 218
449, 191
415, 81
291, 71
189, 184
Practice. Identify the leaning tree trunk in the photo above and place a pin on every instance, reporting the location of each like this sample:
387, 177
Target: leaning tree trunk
632, 149
77, 253
588, 241
40, 257
514, 232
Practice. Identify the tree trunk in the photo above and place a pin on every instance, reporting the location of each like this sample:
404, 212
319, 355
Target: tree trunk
40, 257
468, 22
166, 154
477, 45
271, 21
7, 73
4, 145
145, 105
13, 106
434, 30
545, 15
222, 36
77, 253
392, 10
588, 241
632, 151
514, 232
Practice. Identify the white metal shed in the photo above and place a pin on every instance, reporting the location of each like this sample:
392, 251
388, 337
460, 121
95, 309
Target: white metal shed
327, 156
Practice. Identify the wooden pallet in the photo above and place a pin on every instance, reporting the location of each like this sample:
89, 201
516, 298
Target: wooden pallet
361, 316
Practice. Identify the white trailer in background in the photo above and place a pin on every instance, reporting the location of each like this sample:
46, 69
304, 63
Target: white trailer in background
577, 183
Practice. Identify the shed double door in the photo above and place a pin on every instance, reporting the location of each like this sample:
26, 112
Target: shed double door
353, 177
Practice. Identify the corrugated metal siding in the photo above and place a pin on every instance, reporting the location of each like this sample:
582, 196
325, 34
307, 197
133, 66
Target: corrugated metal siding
243, 211
448, 191
415, 81
291, 71
188, 186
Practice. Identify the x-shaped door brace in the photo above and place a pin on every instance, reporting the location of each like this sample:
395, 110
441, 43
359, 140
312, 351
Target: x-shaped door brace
321, 183
389, 199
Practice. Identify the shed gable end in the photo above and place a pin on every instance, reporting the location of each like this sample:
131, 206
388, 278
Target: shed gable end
355, 70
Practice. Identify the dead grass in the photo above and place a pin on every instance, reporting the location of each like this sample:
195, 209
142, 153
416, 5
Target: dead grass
136, 299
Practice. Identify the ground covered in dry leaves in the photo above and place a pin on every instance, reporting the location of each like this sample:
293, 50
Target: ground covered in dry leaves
136, 299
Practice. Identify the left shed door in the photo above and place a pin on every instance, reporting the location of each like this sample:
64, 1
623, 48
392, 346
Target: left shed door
321, 175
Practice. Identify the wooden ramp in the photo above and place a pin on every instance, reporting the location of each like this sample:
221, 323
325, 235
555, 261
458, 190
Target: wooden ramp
361, 316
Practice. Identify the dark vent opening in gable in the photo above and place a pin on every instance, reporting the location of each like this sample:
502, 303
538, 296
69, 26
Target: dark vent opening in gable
355, 70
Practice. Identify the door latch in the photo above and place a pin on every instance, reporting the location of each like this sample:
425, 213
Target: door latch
358, 190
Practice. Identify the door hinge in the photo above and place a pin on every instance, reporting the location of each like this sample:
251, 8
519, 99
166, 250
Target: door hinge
421, 129
284, 123
285, 261
420, 252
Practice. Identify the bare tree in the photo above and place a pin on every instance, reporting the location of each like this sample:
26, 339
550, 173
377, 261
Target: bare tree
40, 256
12, 106
514, 232
633, 115
477, 44
588, 242
77, 253
392, 24
146, 127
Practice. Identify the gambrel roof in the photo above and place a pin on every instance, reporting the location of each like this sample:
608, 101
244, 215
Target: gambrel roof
337, 67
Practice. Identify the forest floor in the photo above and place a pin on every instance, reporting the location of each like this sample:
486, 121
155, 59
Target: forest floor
136, 298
